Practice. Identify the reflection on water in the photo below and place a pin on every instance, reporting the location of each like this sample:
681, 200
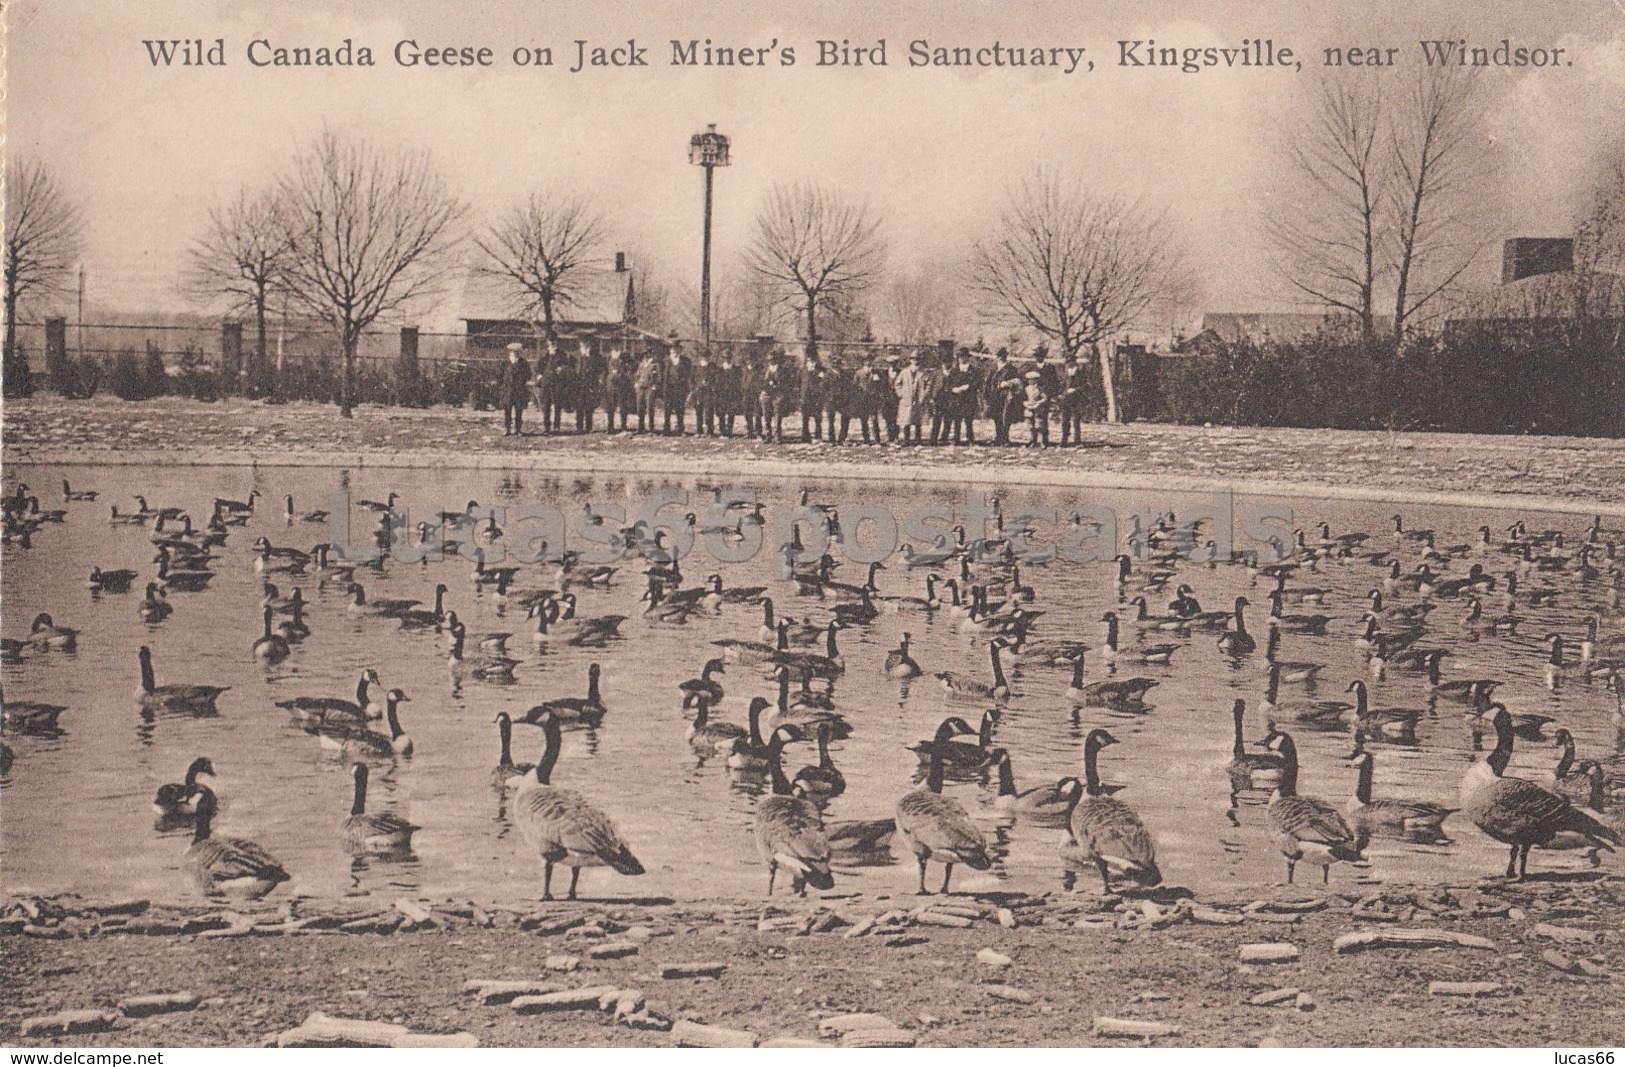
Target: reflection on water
77, 804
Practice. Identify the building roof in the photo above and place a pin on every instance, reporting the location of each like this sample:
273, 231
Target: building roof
599, 296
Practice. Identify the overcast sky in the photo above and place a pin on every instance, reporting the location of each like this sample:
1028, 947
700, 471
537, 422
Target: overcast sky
146, 150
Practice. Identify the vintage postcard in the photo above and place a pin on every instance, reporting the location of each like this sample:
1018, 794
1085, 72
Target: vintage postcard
849, 525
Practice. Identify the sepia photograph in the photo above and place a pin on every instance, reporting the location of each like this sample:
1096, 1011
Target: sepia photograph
766, 525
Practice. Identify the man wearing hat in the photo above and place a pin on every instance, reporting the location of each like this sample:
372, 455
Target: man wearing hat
514, 389
1049, 382
1072, 399
961, 387
1002, 397
911, 389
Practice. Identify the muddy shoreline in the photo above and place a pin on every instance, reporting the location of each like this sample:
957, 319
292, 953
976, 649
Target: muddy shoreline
1534, 964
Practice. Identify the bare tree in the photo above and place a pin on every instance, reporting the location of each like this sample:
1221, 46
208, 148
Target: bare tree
1077, 268
919, 307
542, 251
1330, 226
1439, 165
1377, 203
371, 231
43, 237
816, 250
241, 257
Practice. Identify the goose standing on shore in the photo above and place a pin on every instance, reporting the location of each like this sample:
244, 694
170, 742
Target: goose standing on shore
562, 826
228, 866
935, 827
1103, 830
1517, 812
789, 826
1308, 829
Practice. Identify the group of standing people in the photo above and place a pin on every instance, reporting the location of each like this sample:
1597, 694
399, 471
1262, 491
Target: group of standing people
917, 398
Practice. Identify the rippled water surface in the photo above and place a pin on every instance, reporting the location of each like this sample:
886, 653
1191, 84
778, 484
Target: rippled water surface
76, 807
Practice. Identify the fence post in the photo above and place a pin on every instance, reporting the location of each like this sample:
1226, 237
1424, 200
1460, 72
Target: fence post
231, 357
56, 355
406, 367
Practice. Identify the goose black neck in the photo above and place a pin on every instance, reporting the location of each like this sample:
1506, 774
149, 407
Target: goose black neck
1077, 672
775, 768
784, 690
823, 747
358, 802
204, 817
984, 736
592, 685
756, 707
933, 774
1091, 765
1501, 755
1360, 700
266, 636
767, 613
392, 717
1239, 747
1566, 762
998, 667
550, 751
1007, 777
1288, 750
1362, 785
505, 735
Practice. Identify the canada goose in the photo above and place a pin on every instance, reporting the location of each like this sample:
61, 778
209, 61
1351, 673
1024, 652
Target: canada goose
309, 516
1395, 723
956, 745
1297, 624
360, 604
1518, 813
807, 710
1290, 671
964, 687
295, 629
44, 634
705, 684
1146, 621
1308, 829
228, 866
1408, 614
1104, 831
822, 780
29, 717
315, 711
1250, 770
1402, 535
175, 802
1476, 620
492, 641
802, 633
1525, 725
1567, 779
1126, 694
1161, 654
588, 711
356, 742
790, 827
237, 506
507, 774
270, 647
1043, 805
1461, 691
735, 650
117, 518
561, 825
1556, 666
198, 700
829, 665
661, 610
929, 602
709, 738
382, 508
1409, 819
935, 827
1236, 641
69, 493
112, 581
269, 560
750, 752
899, 664
804, 697
479, 664
417, 618
383, 832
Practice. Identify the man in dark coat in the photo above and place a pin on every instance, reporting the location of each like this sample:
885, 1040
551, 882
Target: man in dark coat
514, 389
960, 392
810, 399
589, 380
677, 377
1002, 397
1049, 383
702, 396
726, 390
1072, 398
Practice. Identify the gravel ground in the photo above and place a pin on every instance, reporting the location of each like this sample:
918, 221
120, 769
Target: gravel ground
1580, 472
1071, 958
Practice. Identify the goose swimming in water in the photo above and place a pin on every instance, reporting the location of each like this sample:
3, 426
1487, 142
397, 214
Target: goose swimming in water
197, 700
708, 738
705, 684
356, 742
507, 774
176, 802
270, 647
562, 826
1413, 820
586, 710
316, 711
1042, 805
964, 687
821, 780
1250, 770
1124, 694
1517, 812
376, 832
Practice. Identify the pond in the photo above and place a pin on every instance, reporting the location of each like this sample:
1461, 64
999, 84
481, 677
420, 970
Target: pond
77, 806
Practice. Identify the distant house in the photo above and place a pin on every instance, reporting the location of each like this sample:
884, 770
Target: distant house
602, 311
